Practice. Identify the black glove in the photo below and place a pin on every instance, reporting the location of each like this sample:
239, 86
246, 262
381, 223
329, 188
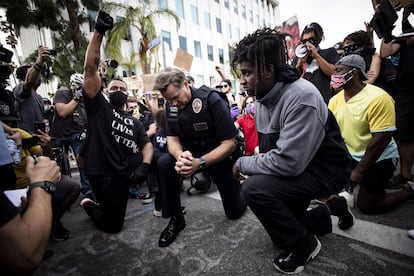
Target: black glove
138, 176
78, 93
104, 22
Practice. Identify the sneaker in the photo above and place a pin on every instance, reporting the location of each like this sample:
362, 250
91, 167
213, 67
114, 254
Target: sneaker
91, 208
410, 233
59, 233
397, 181
146, 197
87, 201
157, 213
134, 193
294, 262
338, 206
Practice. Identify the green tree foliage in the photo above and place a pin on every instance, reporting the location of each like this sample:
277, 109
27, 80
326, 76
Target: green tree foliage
69, 43
141, 17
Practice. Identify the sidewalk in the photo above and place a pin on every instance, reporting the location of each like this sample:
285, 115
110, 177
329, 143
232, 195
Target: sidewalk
213, 245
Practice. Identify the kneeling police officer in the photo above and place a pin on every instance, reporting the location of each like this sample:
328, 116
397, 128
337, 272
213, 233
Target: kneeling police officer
200, 136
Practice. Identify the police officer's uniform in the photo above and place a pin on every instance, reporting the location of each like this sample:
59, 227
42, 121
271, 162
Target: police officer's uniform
201, 125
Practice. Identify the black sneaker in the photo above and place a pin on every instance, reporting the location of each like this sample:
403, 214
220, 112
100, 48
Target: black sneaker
59, 233
338, 207
295, 261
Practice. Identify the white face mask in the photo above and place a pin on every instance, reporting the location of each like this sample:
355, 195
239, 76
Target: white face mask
47, 107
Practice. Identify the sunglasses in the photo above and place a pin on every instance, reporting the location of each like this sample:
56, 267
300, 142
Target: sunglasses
225, 86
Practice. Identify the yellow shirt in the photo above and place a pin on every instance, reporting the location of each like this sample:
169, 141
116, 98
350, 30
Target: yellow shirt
369, 111
20, 169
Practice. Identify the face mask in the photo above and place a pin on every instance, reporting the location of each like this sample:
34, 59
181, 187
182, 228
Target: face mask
250, 108
118, 98
46, 107
338, 81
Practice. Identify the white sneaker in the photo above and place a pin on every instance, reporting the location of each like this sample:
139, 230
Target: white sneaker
349, 198
156, 213
411, 233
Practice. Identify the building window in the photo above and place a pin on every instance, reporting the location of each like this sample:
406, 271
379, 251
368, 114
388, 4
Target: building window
179, 8
221, 56
251, 16
207, 22
237, 33
194, 14
183, 42
197, 49
166, 37
162, 4
226, 4
210, 53
218, 25
229, 30
243, 10
236, 7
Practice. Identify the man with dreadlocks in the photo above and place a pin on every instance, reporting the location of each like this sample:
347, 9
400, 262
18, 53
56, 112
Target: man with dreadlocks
302, 155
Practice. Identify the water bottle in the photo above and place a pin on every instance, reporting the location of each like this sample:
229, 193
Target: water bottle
14, 151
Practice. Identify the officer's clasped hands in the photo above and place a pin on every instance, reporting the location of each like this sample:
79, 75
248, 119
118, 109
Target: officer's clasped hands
184, 164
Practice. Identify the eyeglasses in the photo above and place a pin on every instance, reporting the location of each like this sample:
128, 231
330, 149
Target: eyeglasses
225, 86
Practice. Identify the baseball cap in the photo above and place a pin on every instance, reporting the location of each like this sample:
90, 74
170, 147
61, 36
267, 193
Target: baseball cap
355, 61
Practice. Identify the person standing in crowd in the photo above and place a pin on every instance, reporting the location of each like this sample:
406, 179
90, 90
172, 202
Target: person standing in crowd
360, 43
69, 126
29, 104
404, 98
317, 65
365, 114
48, 114
302, 154
200, 136
24, 236
113, 136
248, 126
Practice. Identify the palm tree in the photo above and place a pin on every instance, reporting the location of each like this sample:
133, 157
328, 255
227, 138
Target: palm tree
142, 18
130, 63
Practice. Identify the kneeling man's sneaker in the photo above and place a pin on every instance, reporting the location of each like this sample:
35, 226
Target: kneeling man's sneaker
294, 262
338, 207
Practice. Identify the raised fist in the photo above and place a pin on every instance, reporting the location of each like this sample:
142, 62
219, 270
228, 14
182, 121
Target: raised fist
104, 22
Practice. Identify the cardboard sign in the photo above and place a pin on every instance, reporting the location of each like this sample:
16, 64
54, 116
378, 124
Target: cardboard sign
183, 60
149, 81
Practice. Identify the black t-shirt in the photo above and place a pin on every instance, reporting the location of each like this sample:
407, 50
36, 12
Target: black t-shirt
73, 123
317, 77
217, 110
405, 73
7, 210
112, 136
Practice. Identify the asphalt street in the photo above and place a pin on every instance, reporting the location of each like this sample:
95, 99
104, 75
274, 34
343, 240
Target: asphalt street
211, 244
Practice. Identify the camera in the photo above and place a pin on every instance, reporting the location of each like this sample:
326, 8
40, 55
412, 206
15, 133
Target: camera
30, 142
112, 63
52, 52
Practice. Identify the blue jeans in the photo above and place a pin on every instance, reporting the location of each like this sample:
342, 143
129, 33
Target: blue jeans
75, 143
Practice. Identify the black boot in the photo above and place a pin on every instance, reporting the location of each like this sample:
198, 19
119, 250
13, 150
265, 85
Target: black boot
176, 224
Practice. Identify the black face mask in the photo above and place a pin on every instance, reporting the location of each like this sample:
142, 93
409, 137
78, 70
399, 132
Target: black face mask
118, 98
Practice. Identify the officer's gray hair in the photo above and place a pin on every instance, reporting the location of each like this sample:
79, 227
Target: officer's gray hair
167, 76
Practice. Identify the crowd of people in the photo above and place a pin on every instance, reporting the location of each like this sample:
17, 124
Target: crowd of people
312, 128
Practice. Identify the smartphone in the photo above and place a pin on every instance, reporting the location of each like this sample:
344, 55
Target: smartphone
39, 126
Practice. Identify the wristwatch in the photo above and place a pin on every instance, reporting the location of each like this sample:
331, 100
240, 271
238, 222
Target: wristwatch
48, 186
203, 164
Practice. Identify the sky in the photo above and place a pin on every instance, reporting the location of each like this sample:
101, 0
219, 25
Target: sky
338, 18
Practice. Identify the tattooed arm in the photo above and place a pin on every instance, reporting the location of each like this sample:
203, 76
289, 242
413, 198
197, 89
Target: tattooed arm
92, 81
